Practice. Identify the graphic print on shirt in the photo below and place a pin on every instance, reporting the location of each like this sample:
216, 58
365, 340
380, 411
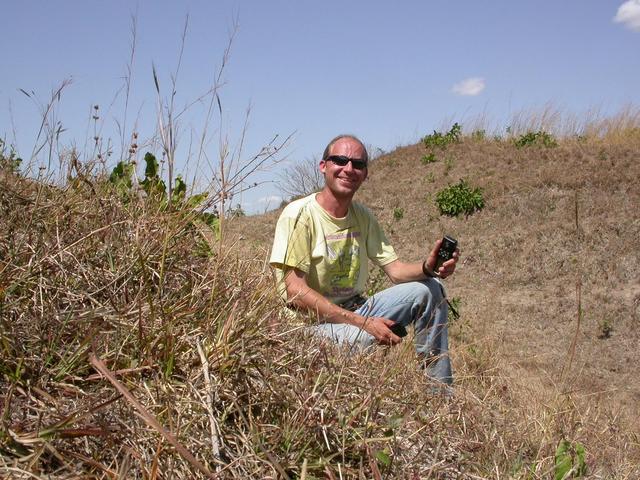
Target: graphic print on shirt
343, 266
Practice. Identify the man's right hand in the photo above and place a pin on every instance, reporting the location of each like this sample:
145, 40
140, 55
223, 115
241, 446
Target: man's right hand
380, 328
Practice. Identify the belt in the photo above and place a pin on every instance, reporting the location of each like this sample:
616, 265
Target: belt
353, 303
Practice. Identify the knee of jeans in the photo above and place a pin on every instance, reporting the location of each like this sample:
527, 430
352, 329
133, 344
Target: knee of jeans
422, 294
431, 291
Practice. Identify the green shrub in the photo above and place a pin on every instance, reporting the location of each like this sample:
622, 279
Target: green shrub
398, 213
121, 179
438, 139
427, 159
9, 160
536, 138
460, 198
155, 188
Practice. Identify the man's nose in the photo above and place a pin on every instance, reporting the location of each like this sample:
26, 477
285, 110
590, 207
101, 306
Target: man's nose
348, 167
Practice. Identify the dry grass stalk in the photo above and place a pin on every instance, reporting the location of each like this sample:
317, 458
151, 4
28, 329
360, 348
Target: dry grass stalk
150, 419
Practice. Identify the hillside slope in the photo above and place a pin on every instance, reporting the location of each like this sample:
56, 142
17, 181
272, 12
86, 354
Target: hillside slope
561, 228
554, 218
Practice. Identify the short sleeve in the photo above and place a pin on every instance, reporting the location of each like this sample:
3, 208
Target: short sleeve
292, 242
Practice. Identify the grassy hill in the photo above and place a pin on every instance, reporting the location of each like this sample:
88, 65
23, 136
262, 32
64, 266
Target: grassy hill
136, 344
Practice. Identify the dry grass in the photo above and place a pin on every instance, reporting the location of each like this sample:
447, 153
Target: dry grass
622, 127
130, 348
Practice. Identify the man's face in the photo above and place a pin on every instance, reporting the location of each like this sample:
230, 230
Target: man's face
344, 181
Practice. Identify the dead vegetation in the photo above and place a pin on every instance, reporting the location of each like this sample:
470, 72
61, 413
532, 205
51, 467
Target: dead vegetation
133, 347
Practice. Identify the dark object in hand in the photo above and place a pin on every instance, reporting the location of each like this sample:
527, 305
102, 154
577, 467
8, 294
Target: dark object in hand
398, 330
447, 247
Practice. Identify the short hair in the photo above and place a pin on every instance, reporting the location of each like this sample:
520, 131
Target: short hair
325, 155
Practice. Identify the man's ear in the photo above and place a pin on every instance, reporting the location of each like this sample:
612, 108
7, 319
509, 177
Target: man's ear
323, 166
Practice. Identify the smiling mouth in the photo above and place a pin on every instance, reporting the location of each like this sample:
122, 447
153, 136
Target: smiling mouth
347, 180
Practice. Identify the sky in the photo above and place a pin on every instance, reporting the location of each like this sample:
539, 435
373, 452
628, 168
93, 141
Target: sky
389, 72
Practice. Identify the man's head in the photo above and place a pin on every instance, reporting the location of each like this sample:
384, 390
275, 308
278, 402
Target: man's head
344, 166
327, 150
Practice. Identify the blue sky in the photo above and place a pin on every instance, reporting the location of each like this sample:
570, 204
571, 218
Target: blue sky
389, 72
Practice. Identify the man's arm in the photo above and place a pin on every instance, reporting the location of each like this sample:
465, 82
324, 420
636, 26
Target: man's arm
401, 272
304, 297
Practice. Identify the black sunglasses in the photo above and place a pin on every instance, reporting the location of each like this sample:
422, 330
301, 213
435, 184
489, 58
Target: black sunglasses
342, 161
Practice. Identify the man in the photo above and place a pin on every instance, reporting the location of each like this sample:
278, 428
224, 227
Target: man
320, 255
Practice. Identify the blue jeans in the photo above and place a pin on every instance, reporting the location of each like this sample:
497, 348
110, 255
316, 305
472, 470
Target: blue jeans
422, 304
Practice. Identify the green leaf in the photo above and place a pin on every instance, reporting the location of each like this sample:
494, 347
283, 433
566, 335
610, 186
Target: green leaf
384, 458
562, 460
569, 461
154, 187
152, 169
581, 465
195, 200
179, 190
121, 176
121, 172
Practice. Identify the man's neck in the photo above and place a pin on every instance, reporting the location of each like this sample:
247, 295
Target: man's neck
337, 207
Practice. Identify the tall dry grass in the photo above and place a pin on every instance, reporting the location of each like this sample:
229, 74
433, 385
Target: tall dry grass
133, 349
135, 346
594, 124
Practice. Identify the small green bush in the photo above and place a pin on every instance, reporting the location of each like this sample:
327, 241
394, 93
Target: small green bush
460, 198
121, 179
438, 139
536, 138
398, 213
9, 160
427, 159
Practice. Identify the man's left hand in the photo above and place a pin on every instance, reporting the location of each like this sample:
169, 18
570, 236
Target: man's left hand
448, 267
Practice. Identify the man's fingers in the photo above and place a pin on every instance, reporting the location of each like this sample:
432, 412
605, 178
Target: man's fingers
383, 333
387, 322
391, 339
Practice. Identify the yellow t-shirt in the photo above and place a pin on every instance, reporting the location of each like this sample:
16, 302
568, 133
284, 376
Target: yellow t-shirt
333, 252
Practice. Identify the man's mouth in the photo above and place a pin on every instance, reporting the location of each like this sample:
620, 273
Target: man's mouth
347, 180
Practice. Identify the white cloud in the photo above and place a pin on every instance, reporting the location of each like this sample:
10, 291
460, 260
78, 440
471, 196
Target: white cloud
470, 86
271, 200
629, 14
